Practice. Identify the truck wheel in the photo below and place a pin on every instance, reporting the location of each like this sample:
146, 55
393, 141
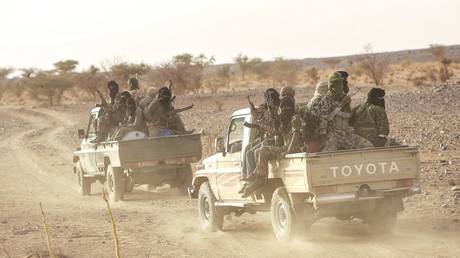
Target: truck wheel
115, 183
285, 223
84, 184
211, 217
186, 180
382, 222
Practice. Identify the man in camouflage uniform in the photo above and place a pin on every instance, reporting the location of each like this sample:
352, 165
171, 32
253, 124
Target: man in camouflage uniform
312, 117
334, 111
370, 119
286, 111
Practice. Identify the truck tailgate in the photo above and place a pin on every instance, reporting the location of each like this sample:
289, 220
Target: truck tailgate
369, 165
181, 147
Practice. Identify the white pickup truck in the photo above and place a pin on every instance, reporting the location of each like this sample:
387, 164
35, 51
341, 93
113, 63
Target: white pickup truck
134, 160
366, 184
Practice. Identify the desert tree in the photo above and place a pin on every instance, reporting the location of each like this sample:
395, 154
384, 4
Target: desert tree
375, 66
65, 66
185, 70
243, 64
439, 52
46, 85
124, 70
225, 74
89, 80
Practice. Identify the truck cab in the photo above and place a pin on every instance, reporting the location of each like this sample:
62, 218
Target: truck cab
301, 188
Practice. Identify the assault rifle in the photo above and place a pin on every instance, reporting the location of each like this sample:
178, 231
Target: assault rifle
338, 110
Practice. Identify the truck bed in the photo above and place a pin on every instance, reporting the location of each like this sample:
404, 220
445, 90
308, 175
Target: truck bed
379, 168
185, 147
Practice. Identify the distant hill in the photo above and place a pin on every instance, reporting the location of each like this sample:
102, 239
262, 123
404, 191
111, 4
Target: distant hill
413, 55
395, 57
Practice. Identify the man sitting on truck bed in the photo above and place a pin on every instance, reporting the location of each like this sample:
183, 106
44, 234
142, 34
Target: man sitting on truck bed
289, 140
370, 119
161, 116
266, 153
334, 111
311, 116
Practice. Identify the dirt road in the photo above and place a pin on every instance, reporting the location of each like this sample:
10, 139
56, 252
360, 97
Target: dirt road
36, 167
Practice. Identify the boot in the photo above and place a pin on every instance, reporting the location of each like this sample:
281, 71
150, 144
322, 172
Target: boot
252, 187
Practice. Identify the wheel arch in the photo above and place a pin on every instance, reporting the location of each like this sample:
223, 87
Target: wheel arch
196, 183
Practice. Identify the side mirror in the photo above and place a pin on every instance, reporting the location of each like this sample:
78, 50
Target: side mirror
219, 145
81, 134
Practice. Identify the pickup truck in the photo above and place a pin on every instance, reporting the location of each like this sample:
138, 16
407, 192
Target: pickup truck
134, 160
366, 184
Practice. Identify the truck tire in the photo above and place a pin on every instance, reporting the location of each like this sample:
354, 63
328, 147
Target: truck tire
84, 184
186, 180
382, 222
286, 225
211, 217
115, 183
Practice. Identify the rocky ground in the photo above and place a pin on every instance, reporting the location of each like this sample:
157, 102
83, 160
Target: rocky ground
35, 154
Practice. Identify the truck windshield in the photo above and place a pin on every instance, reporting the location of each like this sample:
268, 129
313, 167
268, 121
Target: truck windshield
235, 135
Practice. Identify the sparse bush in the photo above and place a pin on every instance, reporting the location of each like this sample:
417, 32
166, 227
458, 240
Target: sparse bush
418, 81
375, 66
439, 52
285, 72
312, 75
331, 62
224, 73
4, 82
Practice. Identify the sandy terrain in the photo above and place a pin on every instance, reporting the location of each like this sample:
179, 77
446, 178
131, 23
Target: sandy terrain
36, 147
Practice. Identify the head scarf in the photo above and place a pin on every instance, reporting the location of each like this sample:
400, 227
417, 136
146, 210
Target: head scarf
376, 96
335, 86
321, 88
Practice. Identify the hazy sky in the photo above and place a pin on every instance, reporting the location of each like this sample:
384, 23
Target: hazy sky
38, 33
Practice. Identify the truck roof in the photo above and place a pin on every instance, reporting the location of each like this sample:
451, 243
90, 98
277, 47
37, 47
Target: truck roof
242, 112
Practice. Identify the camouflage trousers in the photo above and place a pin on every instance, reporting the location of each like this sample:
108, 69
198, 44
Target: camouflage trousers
263, 155
344, 140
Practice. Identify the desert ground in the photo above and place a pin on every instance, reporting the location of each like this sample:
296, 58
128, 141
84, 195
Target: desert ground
36, 145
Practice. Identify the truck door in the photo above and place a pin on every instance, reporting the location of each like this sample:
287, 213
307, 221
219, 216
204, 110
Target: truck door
229, 166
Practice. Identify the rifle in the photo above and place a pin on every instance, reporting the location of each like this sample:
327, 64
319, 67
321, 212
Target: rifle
338, 109
182, 109
103, 101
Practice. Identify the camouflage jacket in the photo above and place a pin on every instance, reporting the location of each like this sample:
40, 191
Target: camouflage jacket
286, 113
369, 121
330, 120
311, 117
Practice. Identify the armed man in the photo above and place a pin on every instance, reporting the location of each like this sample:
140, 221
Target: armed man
335, 113
162, 117
266, 122
370, 119
134, 90
312, 117
292, 141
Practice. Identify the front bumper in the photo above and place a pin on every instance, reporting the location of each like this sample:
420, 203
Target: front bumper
354, 197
